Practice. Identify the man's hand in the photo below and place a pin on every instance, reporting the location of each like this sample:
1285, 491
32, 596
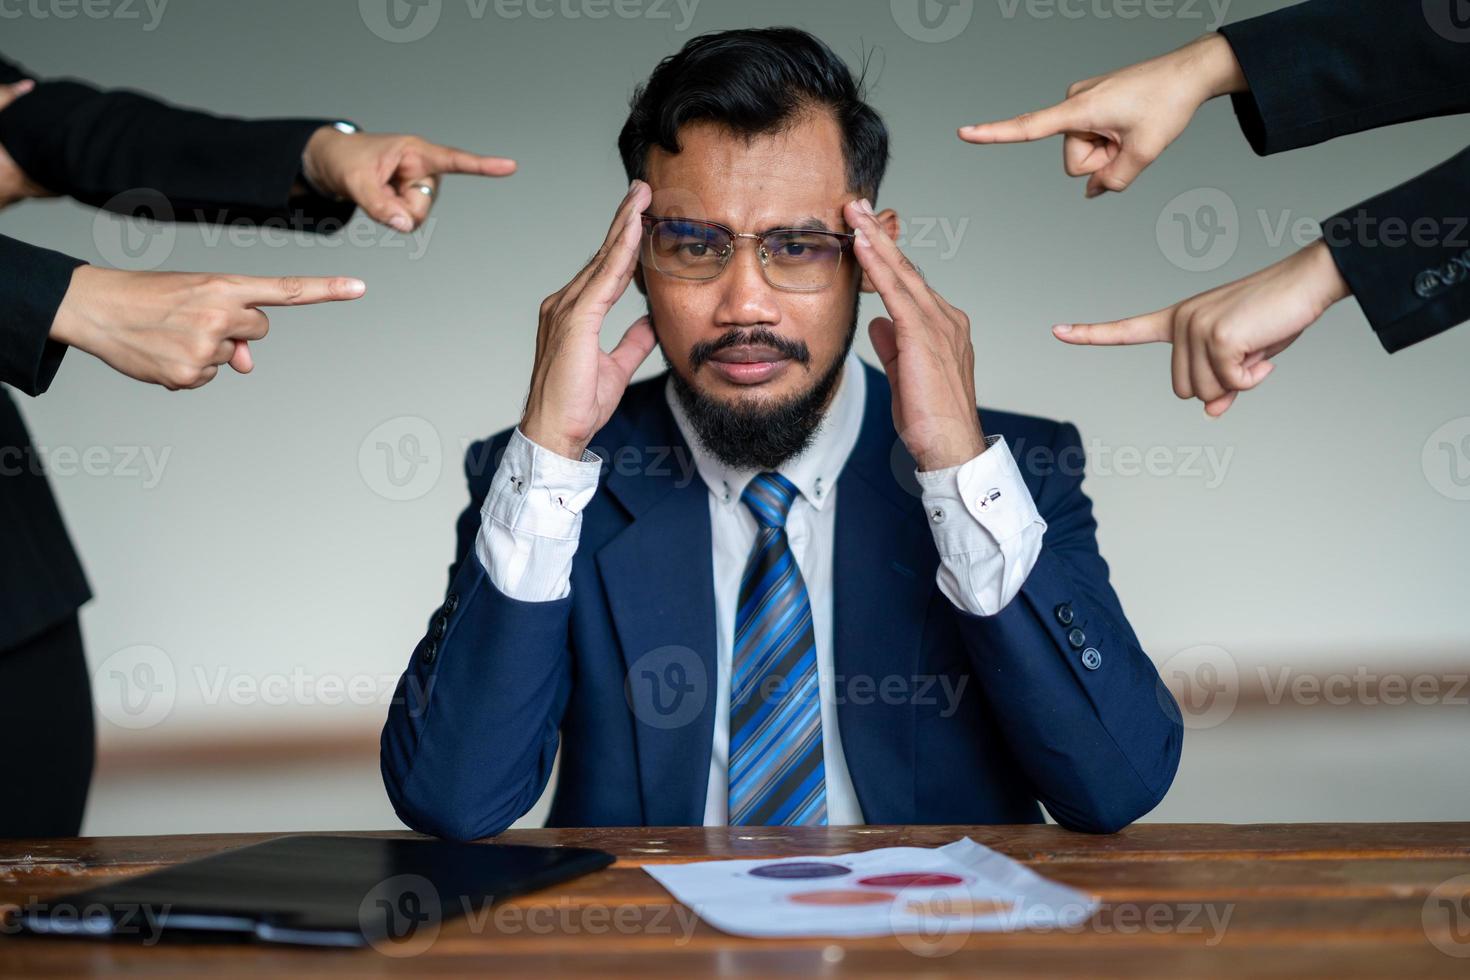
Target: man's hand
1117, 124
575, 386
925, 349
177, 329
1224, 339
385, 175
15, 185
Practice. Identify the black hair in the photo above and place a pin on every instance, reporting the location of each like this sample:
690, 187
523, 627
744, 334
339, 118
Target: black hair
753, 82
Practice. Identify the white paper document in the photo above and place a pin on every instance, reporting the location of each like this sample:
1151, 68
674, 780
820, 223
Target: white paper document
958, 888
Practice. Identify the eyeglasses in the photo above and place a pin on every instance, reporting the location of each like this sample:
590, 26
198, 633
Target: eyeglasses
791, 258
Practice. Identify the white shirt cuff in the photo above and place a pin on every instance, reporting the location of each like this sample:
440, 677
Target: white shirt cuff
986, 527
531, 521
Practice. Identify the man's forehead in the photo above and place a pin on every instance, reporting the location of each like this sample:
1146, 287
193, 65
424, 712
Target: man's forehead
785, 178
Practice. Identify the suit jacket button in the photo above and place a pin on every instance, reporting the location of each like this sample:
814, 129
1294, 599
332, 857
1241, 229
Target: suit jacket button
1076, 637
1064, 614
1091, 659
441, 626
451, 603
431, 652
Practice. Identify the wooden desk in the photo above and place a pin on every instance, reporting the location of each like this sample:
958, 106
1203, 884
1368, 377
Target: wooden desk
1279, 900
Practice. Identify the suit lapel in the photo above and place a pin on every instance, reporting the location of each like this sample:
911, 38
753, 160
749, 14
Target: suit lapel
883, 569
658, 579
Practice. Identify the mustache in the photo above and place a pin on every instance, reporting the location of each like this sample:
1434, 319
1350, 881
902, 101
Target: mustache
796, 350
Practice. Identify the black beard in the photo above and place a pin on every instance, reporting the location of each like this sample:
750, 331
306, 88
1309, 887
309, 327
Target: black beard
759, 438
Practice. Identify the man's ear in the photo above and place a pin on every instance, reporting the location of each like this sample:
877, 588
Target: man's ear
888, 219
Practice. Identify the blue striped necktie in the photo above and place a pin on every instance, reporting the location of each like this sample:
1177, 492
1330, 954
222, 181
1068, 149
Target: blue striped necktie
776, 771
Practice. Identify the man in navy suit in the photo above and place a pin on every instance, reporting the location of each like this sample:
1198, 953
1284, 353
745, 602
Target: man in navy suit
772, 585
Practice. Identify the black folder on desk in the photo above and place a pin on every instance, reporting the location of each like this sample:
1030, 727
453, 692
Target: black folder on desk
318, 891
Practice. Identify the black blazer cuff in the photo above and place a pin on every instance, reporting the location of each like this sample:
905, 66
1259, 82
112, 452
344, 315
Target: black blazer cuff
29, 359
1278, 111
1406, 254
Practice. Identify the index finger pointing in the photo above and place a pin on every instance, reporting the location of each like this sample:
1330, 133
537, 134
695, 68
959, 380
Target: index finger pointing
1151, 328
1060, 118
299, 290
448, 160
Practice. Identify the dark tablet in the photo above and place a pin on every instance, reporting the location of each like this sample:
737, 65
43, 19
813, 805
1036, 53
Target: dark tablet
317, 891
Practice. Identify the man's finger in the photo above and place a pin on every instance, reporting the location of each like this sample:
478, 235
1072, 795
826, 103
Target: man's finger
630, 208
1083, 155
298, 290
381, 203
1060, 118
1218, 407
891, 272
1119, 175
9, 93
415, 200
635, 346
448, 160
885, 341
610, 278
1151, 328
241, 359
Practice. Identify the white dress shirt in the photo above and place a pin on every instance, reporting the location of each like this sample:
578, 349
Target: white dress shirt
986, 529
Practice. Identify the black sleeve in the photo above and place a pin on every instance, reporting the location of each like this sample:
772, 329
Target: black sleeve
1327, 68
94, 146
32, 283
1406, 254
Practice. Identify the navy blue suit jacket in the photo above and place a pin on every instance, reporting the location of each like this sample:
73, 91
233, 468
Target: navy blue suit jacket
498, 684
